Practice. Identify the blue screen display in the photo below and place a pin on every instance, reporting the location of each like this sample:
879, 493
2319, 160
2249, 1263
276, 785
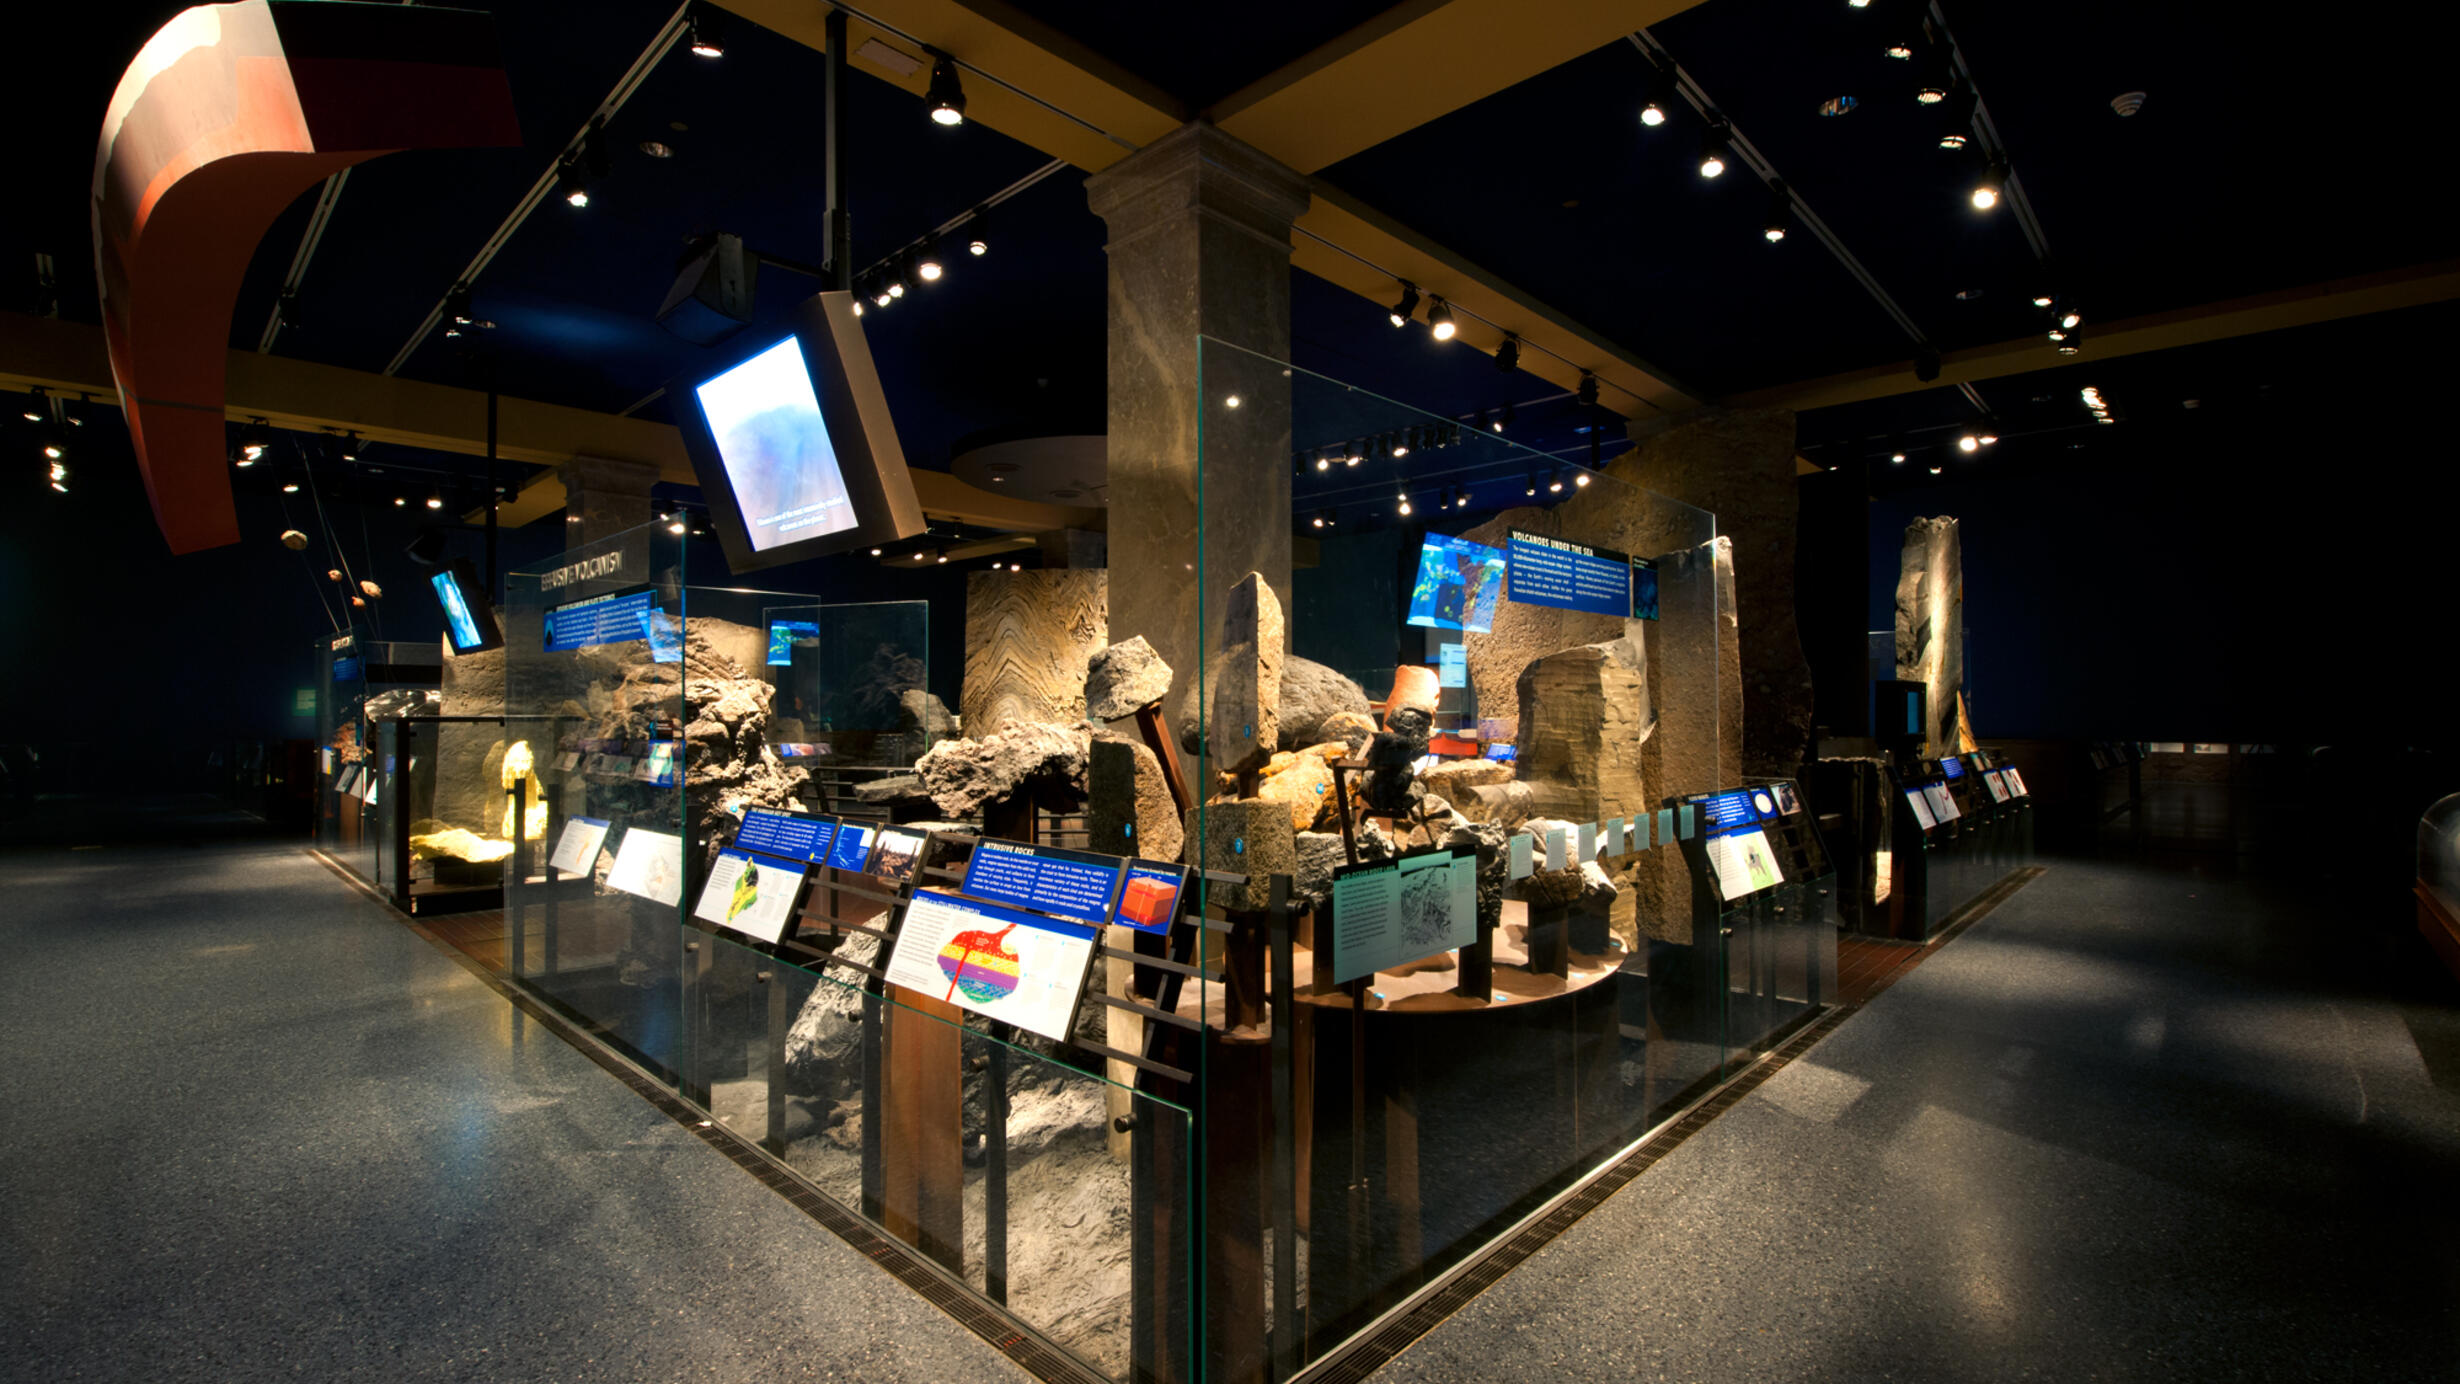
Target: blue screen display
1070, 884
1568, 576
782, 634
1458, 585
458, 621
776, 448
348, 670
1952, 767
1643, 589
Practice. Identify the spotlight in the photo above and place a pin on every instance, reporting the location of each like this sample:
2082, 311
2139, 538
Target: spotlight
1901, 51
1356, 455
1859, 4
2071, 318
1987, 192
1533, 484
253, 441
896, 278
1326, 519
1319, 519
1507, 356
400, 500
875, 552
1960, 119
947, 95
978, 246
708, 32
1232, 401
1897, 458
1713, 152
1588, 388
435, 499
2043, 299
676, 527
1780, 210
349, 451
1660, 98
290, 487
858, 307
1400, 446
1405, 511
1554, 482
1323, 462
1935, 469
570, 183
927, 263
1938, 74
876, 289
34, 412
2057, 334
1407, 307
942, 559
1968, 444
1989, 439
1580, 479
1439, 319
58, 475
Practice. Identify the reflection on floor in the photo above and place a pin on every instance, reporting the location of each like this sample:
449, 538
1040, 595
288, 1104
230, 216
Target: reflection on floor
2164, 1118
1865, 965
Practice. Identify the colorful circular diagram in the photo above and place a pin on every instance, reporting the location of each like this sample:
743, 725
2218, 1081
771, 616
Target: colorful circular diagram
980, 965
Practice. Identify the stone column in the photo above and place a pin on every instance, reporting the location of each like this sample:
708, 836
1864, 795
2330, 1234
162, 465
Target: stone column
1739, 466
603, 497
1930, 628
1199, 246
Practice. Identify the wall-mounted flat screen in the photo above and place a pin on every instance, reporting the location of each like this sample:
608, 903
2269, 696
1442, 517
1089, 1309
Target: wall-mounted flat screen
1458, 585
794, 446
469, 617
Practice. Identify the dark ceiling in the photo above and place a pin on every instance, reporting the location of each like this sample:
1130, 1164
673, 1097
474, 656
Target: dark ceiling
2262, 158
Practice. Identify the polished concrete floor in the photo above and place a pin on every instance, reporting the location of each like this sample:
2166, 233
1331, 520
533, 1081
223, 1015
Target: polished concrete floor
2162, 1120
2152, 1121
257, 1129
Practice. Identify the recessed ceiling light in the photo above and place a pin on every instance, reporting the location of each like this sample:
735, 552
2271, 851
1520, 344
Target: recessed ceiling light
656, 150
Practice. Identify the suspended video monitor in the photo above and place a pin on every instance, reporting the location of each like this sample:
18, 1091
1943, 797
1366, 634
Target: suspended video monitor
793, 445
469, 617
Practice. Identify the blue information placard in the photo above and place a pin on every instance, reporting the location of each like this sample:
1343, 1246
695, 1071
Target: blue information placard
852, 849
1728, 811
1952, 767
610, 619
1066, 884
790, 835
1568, 576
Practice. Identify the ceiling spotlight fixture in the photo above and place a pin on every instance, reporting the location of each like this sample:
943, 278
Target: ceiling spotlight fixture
400, 500
1231, 401
876, 289
977, 246
1356, 455
349, 452
1327, 519
1961, 111
1780, 211
290, 487
1660, 98
581, 162
896, 278
927, 263
1554, 482
435, 499
1993, 185
946, 98
2057, 333
1407, 307
1400, 445
1935, 469
1507, 356
2070, 318
1323, 461
1989, 439
1580, 478
1405, 510
58, 475
1533, 484
708, 31
1968, 444
36, 411
1319, 519
1713, 151
875, 552
942, 559
1901, 51
2043, 299
253, 439
1859, 4
1896, 458
1938, 73
1587, 393
1439, 319
1952, 140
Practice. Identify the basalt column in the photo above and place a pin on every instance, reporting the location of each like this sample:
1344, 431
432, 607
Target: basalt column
604, 497
1199, 246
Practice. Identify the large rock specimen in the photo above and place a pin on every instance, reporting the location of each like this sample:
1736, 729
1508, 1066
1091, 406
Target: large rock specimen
1584, 717
1312, 697
1044, 762
1352, 728
1930, 628
1123, 679
1454, 778
1321, 852
1246, 716
1028, 639
1128, 808
1301, 782
1250, 837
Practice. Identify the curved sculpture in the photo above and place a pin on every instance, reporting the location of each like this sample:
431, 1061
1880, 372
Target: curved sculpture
227, 115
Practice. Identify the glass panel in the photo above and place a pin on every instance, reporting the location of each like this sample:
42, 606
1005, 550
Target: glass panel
1448, 1090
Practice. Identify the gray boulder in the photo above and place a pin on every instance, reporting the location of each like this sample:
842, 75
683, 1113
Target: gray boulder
1123, 679
1044, 761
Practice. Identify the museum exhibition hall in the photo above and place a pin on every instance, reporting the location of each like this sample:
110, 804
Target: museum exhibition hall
970, 690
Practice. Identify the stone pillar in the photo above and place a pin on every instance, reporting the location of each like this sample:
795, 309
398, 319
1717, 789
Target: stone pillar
1930, 629
1199, 246
1739, 466
604, 497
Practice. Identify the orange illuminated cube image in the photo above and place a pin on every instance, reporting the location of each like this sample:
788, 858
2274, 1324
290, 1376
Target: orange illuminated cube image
1147, 902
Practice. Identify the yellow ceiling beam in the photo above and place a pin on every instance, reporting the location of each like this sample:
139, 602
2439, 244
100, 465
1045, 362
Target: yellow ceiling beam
302, 396
1114, 112
2264, 312
1415, 62
1368, 253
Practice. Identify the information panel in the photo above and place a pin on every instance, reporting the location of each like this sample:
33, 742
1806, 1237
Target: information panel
610, 619
754, 897
1919, 801
852, 849
1997, 787
1568, 576
1392, 912
576, 851
649, 864
1070, 884
1728, 811
1149, 899
786, 835
1745, 864
1001, 963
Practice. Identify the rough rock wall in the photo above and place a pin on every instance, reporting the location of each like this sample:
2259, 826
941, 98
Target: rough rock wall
1028, 637
1930, 625
1695, 684
1739, 466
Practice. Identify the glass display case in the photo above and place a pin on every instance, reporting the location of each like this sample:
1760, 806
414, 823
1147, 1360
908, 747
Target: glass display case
355, 670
